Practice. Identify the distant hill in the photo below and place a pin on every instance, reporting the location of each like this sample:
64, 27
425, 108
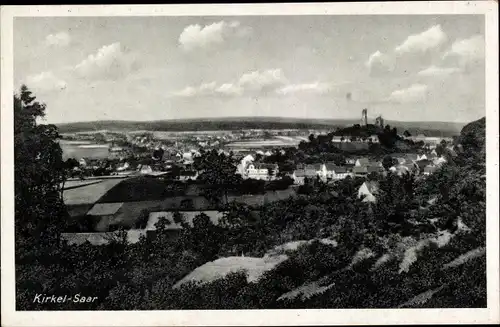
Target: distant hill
238, 123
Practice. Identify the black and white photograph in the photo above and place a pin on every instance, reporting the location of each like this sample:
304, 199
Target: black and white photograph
225, 160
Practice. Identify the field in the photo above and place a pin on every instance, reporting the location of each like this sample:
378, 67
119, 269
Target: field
78, 150
279, 141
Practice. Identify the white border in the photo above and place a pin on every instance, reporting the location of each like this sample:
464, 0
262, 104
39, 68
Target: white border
251, 317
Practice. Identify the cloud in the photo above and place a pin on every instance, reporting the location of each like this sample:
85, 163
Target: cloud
438, 71
403, 57
412, 94
317, 87
266, 81
109, 62
431, 38
467, 51
379, 63
45, 82
60, 39
230, 89
255, 83
201, 90
197, 36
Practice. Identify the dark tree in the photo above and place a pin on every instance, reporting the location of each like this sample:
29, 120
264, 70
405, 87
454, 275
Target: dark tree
387, 162
39, 173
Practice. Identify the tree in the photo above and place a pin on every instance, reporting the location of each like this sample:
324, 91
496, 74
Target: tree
387, 162
158, 154
69, 165
187, 204
285, 168
270, 173
178, 217
219, 173
39, 173
406, 133
312, 138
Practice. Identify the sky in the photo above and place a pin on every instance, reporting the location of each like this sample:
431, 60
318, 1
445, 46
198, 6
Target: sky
407, 68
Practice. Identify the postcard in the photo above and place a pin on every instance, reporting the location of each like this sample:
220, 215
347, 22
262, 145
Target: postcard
250, 164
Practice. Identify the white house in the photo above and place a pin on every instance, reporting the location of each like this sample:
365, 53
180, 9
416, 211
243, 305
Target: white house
335, 172
429, 169
422, 157
367, 191
145, 169
262, 171
439, 161
124, 167
82, 162
362, 162
299, 176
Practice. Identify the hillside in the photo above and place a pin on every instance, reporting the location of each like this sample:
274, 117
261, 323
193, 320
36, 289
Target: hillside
238, 123
473, 135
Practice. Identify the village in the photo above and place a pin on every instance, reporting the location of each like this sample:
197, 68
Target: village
133, 192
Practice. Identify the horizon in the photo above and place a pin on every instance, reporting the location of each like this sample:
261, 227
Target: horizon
208, 118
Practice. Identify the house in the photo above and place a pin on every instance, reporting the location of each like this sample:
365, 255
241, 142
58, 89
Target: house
429, 169
400, 160
170, 157
374, 169
299, 176
439, 161
335, 172
187, 157
82, 162
188, 175
262, 171
422, 157
368, 191
318, 169
350, 161
360, 171
431, 155
401, 169
362, 162
145, 169
124, 167
421, 164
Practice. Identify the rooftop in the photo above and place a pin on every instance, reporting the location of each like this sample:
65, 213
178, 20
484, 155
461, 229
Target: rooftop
300, 173
315, 167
